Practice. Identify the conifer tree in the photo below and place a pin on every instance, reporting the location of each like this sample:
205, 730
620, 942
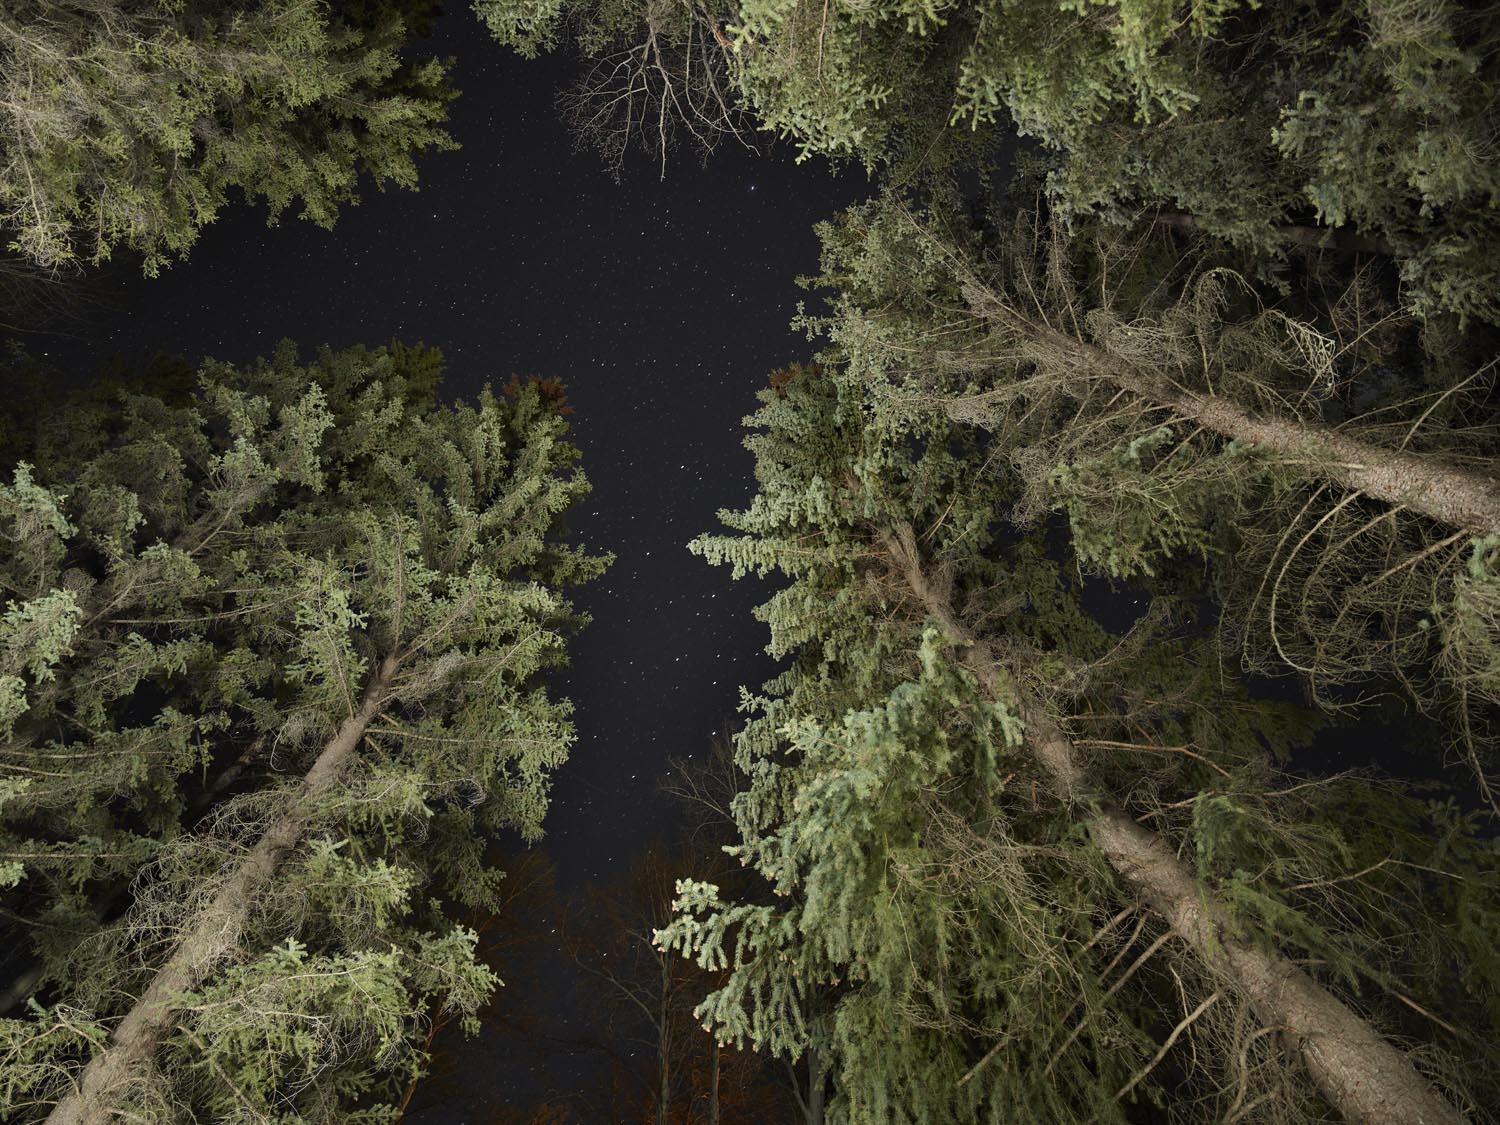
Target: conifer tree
128, 124
1026, 869
1263, 123
1328, 461
270, 660
1364, 124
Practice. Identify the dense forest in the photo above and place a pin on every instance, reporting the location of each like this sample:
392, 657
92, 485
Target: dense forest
1143, 445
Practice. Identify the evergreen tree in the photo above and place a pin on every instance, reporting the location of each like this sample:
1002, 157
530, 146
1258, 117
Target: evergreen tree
128, 124
666, 1067
1255, 120
1317, 463
270, 662
1266, 124
1026, 869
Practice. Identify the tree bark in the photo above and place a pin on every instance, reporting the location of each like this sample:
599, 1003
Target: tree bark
1319, 238
1441, 492
713, 1081
214, 931
816, 1086
1358, 1072
1458, 498
663, 1044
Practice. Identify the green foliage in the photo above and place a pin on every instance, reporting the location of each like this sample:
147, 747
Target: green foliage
1471, 622
292, 1019
1113, 370
528, 26
1148, 499
823, 77
934, 920
913, 931
1250, 118
129, 126
198, 593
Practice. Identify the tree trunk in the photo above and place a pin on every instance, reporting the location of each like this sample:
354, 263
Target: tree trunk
213, 932
1441, 492
1357, 1071
713, 1081
664, 1044
1319, 238
1423, 484
816, 1081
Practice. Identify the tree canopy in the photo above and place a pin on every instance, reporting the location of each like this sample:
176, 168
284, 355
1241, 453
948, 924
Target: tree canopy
1317, 463
271, 660
992, 830
1264, 124
1110, 491
127, 125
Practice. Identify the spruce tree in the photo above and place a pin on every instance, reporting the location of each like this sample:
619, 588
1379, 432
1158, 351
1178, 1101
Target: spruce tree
1021, 868
128, 124
1355, 123
1315, 461
270, 688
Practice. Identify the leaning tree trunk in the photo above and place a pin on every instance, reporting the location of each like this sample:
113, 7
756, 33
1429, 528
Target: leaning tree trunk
1357, 1071
1441, 492
1338, 239
663, 1044
1423, 484
213, 932
713, 1081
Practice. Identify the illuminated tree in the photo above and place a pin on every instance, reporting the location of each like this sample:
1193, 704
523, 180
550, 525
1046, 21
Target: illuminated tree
1268, 125
1318, 464
270, 662
1032, 870
128, 125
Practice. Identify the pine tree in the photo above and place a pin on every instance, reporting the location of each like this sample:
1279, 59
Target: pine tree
270, 662
129, 125
1021, 868
1357, 123
1258, 121
1317, 462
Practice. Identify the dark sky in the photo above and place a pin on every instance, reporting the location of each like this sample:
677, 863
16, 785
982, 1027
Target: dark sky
662, 305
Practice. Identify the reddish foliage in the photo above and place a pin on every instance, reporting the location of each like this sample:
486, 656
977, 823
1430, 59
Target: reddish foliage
780, 379
553, 393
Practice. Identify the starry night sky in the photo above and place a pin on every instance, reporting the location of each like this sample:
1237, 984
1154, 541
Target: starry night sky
663, 305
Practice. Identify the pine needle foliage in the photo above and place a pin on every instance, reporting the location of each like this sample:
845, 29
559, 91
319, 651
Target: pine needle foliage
1366, 125
127, 126
199, 596
1266, 124
1200, 429
936, 919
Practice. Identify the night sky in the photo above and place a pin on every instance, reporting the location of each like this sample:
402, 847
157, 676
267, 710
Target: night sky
662, 305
